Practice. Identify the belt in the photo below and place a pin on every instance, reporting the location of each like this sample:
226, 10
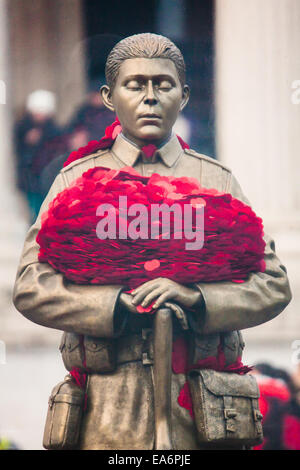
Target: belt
98, 355
136, 347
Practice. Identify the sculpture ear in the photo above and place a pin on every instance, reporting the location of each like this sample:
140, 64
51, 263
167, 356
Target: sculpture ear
185, 96
106, 97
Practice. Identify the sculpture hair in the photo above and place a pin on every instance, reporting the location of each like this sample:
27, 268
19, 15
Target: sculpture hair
145, 45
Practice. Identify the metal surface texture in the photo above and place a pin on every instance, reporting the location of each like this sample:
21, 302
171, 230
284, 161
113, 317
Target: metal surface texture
135, 405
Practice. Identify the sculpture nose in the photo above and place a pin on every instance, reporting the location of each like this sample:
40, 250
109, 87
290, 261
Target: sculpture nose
150, 97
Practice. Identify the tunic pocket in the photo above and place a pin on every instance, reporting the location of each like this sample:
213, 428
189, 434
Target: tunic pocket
100, 354
72, 351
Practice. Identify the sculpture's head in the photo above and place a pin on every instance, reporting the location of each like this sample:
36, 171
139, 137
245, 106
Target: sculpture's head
145, 76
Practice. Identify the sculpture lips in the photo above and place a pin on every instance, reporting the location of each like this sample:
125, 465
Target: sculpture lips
150, 116
151, 119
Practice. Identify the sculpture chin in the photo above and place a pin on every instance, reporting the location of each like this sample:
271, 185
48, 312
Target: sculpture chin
152, 133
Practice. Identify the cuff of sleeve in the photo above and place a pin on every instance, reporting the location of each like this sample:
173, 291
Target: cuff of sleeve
108, 324
120, 318
215, 302
197, 314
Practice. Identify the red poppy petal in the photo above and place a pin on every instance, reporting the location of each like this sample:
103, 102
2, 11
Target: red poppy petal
151, 265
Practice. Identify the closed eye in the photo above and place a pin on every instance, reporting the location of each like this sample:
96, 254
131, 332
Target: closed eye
133, 85
164, 85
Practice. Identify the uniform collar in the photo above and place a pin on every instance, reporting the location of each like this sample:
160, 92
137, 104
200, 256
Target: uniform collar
129, 153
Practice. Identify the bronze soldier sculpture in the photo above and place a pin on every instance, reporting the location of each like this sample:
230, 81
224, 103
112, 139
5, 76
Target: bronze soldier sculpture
126, 408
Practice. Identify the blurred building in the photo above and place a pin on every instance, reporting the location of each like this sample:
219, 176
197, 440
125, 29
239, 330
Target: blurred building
257, 122
242, 62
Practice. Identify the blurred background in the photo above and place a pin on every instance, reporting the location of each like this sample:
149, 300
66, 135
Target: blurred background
243, 66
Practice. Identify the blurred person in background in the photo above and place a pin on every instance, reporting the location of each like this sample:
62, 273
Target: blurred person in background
88, 123
292, 418
60, 149
31, 132
279, 403
92, 115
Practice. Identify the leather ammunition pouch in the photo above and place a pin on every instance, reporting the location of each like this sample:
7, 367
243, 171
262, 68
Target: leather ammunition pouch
64, 416
226, 408
203, 346
88, 353
101, 355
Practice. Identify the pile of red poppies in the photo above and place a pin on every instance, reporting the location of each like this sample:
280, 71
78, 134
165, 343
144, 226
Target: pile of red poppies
69, 240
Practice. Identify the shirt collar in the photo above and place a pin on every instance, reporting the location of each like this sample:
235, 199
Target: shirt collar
129, 153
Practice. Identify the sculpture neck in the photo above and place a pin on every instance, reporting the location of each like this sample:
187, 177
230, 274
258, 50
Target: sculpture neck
140, 145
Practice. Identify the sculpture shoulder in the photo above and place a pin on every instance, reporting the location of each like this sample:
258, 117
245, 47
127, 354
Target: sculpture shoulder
75, 169
208, 160
85, 161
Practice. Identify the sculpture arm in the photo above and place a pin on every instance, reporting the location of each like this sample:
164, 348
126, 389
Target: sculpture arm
46, 297
234, 306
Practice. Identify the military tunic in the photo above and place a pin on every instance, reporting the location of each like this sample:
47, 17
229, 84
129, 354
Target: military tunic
120, 412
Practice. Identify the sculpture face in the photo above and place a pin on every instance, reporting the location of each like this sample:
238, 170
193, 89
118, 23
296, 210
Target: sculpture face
147, 98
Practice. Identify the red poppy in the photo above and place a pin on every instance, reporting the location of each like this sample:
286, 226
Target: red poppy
233, 244
233, 240
111, 133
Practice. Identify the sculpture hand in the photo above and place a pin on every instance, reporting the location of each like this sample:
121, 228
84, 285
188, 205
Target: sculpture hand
163, 289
